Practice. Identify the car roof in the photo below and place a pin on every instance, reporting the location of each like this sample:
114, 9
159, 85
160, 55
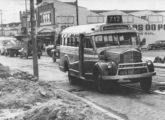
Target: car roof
160, 41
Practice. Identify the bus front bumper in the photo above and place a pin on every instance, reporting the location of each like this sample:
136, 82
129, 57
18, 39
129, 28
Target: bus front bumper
118, 77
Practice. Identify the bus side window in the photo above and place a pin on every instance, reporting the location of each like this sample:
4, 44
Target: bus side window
77, 41
63, 41
87, 43
58, 41
69, 42
66, 41
110, 39
73, 41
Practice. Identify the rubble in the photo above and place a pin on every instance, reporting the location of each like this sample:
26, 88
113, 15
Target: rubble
22, 98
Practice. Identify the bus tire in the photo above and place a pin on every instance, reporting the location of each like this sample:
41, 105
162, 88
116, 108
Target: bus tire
26, 56
54, 59
99, 84
39, 56
21, 56
72, 79
11, 54
153, 48
146, 83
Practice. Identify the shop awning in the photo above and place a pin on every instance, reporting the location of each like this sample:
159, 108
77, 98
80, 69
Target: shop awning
46, 32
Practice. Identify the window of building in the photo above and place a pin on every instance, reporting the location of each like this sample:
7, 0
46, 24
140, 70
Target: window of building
155, 18
45, 18
95, 19
144, 17
128, 18
65, 19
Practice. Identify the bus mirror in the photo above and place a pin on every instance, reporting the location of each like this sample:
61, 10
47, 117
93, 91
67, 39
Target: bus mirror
143, 42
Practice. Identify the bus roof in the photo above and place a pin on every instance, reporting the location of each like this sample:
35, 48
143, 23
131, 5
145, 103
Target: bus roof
96, 28
81, 29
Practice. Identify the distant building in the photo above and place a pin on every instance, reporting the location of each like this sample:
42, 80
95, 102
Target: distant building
25, 21
10, 29
150, 24
54, 16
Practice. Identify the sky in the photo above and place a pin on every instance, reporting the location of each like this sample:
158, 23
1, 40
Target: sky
11, 8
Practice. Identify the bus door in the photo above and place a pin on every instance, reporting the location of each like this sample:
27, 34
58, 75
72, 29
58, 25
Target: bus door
87, 57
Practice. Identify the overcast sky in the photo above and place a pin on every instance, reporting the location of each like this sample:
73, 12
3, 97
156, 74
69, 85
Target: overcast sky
11, 8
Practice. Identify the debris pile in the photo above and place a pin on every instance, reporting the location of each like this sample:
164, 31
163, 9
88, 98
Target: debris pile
24, 98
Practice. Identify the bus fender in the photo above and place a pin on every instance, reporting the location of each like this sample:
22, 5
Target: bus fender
105, 68
100, 67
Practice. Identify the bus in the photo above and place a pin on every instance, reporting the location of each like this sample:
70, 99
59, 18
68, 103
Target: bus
105, 53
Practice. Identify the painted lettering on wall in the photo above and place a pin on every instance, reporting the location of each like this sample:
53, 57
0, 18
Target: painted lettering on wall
149, 27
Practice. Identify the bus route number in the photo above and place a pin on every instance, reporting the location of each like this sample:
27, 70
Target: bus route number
114, 19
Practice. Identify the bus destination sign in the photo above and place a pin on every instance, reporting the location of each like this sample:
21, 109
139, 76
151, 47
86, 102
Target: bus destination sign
114, 19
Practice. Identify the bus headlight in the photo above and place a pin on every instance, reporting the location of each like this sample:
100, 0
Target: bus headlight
149, 63
112, 68
56, 54
109, 66
150, 66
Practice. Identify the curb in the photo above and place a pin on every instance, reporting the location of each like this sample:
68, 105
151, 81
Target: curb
109, 114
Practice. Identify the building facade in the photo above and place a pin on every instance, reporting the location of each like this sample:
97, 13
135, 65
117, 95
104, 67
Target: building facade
53, 16
10, 29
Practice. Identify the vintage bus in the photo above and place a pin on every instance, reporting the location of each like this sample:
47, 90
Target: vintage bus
105, 53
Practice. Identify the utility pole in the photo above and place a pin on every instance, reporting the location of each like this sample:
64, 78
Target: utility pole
34, 42
77, 13
1, 23
26, 13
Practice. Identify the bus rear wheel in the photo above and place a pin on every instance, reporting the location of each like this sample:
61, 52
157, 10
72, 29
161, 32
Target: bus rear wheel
146, 83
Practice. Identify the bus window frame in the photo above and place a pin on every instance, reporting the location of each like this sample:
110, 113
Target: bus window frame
115, 43
93, 48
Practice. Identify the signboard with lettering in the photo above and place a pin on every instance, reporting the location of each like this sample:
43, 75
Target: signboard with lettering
149, 27
115, 27
114, 19
46, 14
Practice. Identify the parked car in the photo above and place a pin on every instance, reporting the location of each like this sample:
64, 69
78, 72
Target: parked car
7, 43
48, 50
27, 51
2, 48
13, 47
55, 53
160, 44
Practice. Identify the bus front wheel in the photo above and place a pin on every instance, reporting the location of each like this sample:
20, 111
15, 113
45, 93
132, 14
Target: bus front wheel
146, 84
100, 84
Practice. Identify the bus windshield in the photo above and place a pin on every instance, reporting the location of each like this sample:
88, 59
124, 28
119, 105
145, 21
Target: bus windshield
117, 39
